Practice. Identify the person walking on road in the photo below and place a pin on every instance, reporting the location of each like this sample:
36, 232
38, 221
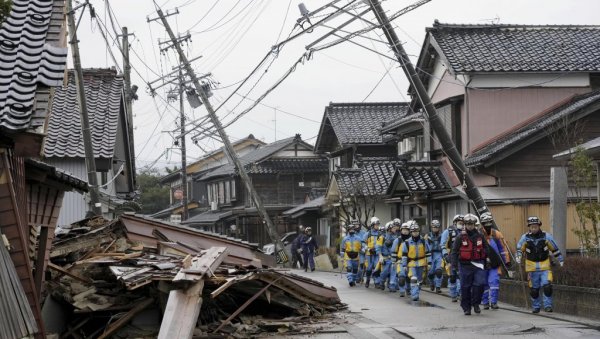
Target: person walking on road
470, 251
434, 239
448, 237
538, 246
398, 278
349, 251
297, 248
369, 243
384, 252
309, 247
496, 241
416, 257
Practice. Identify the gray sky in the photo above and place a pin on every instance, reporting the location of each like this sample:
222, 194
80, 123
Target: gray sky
234, 35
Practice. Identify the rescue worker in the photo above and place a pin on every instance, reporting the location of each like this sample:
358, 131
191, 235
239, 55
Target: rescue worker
398, 279
496, 241
350, 251
448, 237
384, 252
361, 257
470, 251
297, 249
369, 243
435, 273
416, 257
538, 246
309, 247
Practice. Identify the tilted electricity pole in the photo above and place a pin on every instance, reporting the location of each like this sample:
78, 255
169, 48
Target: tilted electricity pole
184, 199
128, 99
229, 150
436, 123
95, 206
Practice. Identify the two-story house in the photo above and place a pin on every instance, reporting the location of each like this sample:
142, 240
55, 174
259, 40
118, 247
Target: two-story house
282, 173
511, 96
111, 142
196, 190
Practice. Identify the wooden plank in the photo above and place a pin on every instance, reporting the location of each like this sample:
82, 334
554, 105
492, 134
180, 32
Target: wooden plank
202, 265
110, 330
183, 307
65, 272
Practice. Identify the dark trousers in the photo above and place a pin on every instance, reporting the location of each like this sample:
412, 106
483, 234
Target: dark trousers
309, 259
297, 259
472, 281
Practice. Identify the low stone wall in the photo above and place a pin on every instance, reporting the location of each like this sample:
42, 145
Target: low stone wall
572, 300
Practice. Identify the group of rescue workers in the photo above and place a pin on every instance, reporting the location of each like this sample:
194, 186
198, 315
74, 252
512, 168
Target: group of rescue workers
470, 252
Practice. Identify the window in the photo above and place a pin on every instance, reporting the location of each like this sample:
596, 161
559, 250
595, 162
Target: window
209, 193
221, 192
334, 163
227, 190
233, 196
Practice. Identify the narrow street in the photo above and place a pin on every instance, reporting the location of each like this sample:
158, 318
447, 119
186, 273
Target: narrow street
378, 314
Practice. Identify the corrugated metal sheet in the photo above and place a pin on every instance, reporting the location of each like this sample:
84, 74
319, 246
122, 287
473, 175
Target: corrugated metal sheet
74, 206
16, 317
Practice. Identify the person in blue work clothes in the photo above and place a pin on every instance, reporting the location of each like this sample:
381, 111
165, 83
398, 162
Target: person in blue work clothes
369, 243
297, 249
309, 247
416, 257
398, 279
538, 246
384, 252
448, 237
434, 239
496, 241
470, 251
361, 257
349, 251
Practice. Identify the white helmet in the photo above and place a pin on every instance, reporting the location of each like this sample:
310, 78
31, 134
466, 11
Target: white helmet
397, 222
389, 225
470, 219
486, 217
435, 223
405, 225
457, 218
413, 226
375, 221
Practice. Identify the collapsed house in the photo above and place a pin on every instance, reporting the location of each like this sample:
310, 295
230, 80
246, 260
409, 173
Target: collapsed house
141, 277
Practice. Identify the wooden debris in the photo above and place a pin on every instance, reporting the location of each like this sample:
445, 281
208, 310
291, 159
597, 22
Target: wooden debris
65, 272
125, 319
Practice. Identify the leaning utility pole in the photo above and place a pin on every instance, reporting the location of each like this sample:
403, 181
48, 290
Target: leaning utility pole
95, 205
128, 96
226, 143
184, 199
436, 123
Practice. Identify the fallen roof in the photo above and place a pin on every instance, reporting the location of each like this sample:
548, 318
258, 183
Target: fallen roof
358, 123
30, 59
534, 129
58, 175
518, 48
103, 90
299, 210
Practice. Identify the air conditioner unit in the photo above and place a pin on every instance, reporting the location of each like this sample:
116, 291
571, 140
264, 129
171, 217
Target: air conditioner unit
213, 205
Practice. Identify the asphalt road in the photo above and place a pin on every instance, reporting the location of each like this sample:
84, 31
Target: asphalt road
381, 314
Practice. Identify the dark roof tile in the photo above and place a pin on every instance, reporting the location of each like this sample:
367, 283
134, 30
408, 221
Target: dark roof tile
518, 48
103, 89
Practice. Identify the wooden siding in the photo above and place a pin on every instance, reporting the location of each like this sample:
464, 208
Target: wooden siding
283, 189
492, 112
13, 224
531, 166
511, 220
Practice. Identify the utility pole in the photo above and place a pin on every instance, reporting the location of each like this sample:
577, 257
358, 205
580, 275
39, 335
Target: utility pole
436, 123
128, 98
95, 205
226, 143
184, 199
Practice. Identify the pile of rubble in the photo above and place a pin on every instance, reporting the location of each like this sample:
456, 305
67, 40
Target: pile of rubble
139, 277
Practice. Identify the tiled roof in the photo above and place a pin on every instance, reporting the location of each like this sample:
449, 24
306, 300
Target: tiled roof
518, 48
310, 205
360, 123
59, 175
399, 122
372, 177
423, 177
252, 157
29, 62
293, 165
590, 102
103, 90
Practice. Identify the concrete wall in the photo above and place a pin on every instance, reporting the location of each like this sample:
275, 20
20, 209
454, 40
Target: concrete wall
579, 301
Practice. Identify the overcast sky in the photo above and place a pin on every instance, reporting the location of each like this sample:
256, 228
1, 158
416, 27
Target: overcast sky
233, 36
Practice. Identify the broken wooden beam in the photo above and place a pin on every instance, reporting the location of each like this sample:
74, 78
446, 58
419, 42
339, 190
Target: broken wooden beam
65, 272
183, 306
125, 319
